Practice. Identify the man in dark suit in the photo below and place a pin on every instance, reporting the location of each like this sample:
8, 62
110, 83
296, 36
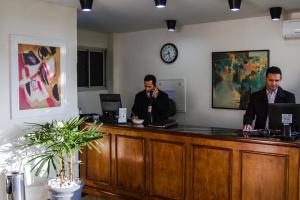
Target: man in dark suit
258, 105
151, 104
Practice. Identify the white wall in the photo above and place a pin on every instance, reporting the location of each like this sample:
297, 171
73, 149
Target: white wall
37, 19
88, 99
87, 38
137, 54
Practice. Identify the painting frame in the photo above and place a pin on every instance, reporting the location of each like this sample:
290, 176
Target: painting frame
262, 66
16, 112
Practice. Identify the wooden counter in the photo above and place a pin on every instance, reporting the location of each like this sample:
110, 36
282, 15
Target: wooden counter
190, 163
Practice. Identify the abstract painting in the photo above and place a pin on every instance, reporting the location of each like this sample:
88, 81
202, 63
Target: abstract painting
37, 76
235, 75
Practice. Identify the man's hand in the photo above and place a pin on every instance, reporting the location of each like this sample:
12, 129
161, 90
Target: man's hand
155, 93
247, 127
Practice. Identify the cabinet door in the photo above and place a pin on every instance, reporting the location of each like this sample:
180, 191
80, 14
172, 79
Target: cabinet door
211, 173
130, 165
96, 167
167, 170
266, 176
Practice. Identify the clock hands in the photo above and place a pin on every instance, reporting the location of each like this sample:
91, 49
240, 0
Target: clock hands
169, 53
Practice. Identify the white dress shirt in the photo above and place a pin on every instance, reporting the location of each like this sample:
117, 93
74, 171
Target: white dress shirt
271, 99
271, 96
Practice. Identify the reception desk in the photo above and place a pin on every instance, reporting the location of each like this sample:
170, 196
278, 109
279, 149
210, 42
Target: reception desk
189, 162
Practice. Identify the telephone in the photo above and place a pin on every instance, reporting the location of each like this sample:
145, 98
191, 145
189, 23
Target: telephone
150, 93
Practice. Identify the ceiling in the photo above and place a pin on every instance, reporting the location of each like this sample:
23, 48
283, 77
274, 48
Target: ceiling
134, 15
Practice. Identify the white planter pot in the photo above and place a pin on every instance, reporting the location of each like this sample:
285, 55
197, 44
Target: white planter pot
73, 193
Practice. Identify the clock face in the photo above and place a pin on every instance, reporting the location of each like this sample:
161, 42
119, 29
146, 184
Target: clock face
168, 53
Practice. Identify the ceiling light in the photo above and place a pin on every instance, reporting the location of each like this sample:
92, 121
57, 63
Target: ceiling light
234, 5
160, 3
171, 25
86, 5
275, 13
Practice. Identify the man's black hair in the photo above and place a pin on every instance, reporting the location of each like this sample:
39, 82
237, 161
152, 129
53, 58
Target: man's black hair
150, 77
273, 70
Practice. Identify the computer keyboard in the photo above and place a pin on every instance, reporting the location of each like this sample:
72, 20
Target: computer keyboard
165, 124
270, 134
255, 133
108, 120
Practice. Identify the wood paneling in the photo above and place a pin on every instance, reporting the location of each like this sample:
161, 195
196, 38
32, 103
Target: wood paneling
264, 176
211, 173
167, 170
141, 164
99, 164
130, 164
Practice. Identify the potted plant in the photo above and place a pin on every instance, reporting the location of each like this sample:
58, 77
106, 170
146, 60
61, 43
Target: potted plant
60, 141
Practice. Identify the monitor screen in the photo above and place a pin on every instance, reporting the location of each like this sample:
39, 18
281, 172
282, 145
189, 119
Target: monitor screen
110, 103
284, 112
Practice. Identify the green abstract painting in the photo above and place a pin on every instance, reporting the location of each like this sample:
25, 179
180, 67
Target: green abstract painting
235, 75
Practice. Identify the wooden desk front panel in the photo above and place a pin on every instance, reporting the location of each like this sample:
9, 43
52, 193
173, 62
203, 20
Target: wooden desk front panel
167, 169
147, 165
96, 167
130, 164
211, 172
264, 181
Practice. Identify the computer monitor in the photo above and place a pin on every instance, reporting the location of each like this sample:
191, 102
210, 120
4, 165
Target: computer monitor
110, 104
283, 111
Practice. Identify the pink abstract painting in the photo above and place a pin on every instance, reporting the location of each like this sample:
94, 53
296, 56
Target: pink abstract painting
39, 76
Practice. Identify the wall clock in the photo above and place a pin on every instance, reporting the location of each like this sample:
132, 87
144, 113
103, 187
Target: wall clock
169, 53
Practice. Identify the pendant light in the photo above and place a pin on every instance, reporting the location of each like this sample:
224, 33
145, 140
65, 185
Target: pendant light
86, 5
275, 13
234, 5
160, 3
171, 24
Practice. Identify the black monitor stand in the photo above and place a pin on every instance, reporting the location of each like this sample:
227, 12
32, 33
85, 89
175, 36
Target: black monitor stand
287, 133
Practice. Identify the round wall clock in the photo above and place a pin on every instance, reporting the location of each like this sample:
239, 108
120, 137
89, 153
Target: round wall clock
168, 53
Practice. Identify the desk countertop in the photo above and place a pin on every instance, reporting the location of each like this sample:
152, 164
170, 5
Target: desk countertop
209, 132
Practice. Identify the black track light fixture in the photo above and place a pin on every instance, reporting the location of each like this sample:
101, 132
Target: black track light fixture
171, 24
275, 13
86, 5
234, 5
160, 3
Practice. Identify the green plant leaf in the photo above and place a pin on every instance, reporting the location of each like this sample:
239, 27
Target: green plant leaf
59, 140
41, 166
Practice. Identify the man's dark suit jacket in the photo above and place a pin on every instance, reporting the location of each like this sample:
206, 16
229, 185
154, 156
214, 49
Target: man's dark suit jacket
160, 106
258, 106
